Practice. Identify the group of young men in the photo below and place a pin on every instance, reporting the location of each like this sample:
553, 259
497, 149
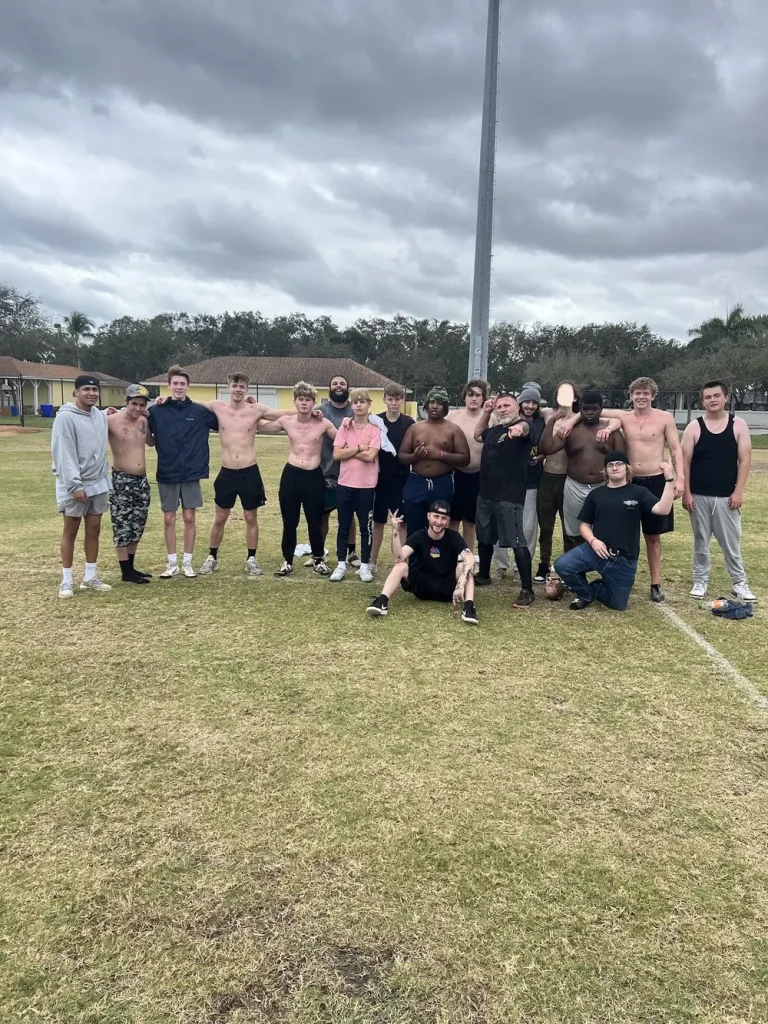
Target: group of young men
495, 473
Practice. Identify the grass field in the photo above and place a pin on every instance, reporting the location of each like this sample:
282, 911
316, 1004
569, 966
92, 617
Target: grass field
229, 800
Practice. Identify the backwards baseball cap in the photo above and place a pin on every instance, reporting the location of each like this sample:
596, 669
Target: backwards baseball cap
441, 506
83, 379
136, 391
616, 457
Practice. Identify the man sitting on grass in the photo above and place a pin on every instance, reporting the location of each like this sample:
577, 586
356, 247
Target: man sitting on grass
434, 564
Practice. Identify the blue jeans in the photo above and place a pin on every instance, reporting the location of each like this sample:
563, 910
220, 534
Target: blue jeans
618, 576
351, 502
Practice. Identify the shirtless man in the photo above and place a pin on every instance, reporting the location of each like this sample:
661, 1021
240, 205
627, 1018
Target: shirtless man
648, 431
586, 447
239, 476
433, 448
129, 501
302, 484
466, 482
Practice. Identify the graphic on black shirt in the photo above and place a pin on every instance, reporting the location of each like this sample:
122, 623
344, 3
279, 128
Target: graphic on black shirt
436, 558
614, 513
504, 465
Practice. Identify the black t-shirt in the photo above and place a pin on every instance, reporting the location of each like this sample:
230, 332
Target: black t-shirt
534, 474
614, 514
436, 558
389, 467
504, 465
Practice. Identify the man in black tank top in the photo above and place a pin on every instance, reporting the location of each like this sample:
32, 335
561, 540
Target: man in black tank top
717, 450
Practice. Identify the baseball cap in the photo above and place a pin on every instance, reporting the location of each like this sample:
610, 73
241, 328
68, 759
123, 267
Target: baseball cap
83, 379
616, 457
441, 506
136, 391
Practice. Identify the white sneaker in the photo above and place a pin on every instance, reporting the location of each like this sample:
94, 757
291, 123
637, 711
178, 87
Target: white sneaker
742, 591
95, 584
66, 590
210, 565
285, 569
365, 573
252, 567
188, 571
170, 572
338, 574
698, 590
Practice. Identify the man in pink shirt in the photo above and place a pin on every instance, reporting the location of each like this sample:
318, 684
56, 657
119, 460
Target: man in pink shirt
357, 448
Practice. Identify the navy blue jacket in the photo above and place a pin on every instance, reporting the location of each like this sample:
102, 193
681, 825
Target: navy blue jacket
181, 430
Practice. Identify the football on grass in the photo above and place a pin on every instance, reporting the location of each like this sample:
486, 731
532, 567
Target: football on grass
554, 589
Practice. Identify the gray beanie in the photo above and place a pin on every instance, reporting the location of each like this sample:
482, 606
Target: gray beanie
530, 393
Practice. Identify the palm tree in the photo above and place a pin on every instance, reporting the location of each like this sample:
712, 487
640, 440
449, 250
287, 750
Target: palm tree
713, 332
78, 327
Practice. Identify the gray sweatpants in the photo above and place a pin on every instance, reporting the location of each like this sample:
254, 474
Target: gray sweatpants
713, 516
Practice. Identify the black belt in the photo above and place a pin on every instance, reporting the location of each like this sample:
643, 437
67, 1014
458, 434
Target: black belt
617, 551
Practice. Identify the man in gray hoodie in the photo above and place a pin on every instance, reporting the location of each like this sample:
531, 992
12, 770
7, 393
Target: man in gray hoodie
79, 446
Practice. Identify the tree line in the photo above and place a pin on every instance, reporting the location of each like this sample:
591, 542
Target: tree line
416, 352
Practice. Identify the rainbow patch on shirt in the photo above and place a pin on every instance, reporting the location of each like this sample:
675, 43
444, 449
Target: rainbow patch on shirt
434, 552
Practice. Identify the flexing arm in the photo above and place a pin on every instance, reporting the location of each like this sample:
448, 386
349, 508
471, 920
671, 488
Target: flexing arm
672, 439
690, 437
744, 442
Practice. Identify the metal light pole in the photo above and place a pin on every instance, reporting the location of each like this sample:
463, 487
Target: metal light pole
481, 292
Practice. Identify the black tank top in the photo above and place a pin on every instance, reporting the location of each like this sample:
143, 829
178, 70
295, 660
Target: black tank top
715, 462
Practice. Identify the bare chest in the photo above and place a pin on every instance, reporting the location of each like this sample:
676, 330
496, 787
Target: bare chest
437, 434
644, 432
236, 424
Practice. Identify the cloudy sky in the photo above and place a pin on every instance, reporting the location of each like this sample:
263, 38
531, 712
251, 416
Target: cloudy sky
322, 155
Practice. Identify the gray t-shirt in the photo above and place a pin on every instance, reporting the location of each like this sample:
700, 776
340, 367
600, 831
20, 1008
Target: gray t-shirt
335, 415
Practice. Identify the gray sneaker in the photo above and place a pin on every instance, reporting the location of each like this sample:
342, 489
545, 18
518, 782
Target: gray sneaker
66, 590
95, 584
252, 567
209, 566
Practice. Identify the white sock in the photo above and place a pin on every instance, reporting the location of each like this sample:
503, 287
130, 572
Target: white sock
187, 558
342, 565
90, 571
172, 559
66, 576
365, 565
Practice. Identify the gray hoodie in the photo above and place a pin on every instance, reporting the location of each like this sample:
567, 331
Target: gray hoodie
79, 446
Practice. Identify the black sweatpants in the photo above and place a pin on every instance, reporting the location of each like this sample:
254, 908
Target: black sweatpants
351, 502
302, 488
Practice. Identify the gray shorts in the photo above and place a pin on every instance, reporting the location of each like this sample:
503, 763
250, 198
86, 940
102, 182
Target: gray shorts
574, 495
96, 505
189, 494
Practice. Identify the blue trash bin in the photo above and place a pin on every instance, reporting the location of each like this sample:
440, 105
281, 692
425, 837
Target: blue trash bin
46, 411
14, 410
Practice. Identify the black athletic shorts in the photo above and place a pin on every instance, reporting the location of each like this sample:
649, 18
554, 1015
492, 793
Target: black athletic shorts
245, 484
428, 588
652, 524
466, 488
387, 498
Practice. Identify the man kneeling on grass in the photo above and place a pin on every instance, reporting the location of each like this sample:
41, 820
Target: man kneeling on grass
610, 524
433, 564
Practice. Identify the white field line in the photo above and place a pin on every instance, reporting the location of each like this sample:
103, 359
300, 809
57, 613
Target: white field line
719, 660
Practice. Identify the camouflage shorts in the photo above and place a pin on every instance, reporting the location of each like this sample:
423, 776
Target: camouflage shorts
129, 507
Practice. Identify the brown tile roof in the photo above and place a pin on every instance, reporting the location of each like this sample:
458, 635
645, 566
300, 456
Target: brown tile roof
280, 371
10, 367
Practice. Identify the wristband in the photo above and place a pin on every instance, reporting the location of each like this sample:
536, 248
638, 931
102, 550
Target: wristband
669, 479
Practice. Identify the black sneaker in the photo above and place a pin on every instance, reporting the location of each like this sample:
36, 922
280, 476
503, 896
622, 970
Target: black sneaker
469, 615
524, 599
657, 594
578, 603
541, 573
483, 581
379, 606
286, 569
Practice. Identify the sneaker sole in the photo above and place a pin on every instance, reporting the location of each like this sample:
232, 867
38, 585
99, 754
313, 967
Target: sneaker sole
469, 622
377, 613
748, 600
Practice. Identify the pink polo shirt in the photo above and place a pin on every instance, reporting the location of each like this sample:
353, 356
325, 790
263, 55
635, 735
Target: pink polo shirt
354, 472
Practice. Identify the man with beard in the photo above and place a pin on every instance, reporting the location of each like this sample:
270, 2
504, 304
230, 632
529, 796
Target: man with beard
466, 482
433, 564
506, 451
586, 447
433, 448
336, 409
129, 501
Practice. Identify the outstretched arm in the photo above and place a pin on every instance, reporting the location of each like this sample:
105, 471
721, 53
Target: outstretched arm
272, 426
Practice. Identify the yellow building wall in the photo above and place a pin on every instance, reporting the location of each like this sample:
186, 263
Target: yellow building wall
208, 393
112, 396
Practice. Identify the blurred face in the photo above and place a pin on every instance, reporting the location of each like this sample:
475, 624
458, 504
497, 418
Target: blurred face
642, 398
135, 408
438, 522
361, 407
87, 396
304, 405
394, 404
616, 471
473, 400
590, 414
179, 387
435, 411
238, 390
713, 399
339, 390
529, 408
507, 408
